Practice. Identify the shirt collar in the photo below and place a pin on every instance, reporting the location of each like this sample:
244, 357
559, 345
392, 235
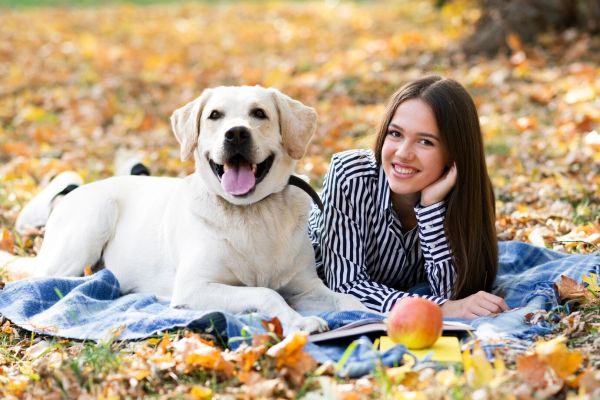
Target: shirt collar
383, 188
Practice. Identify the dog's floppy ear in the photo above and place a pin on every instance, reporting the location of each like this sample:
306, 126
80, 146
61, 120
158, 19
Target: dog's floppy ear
185, 122
297, 123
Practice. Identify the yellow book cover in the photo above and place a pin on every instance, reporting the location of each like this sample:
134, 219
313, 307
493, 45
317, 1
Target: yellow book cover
375, 326
446, 349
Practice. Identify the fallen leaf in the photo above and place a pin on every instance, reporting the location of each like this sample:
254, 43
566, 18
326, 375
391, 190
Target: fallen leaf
592, 282
290, 356
193, 351
7, 242
7, 328
164, 343
556, 355
532, 370
273, 325
288, 350
249, 355
568, 289
478, 370
201, 393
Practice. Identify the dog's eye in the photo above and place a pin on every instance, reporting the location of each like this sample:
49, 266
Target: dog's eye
215, 115
258, 113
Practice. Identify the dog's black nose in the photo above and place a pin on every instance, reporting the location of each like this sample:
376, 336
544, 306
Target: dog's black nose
237, 135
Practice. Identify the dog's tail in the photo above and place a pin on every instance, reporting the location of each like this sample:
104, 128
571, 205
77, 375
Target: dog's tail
17, 267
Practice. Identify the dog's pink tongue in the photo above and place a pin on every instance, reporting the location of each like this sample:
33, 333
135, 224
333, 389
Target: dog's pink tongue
238, 181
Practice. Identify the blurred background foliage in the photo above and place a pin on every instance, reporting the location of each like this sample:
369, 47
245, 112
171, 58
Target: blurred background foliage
80, 80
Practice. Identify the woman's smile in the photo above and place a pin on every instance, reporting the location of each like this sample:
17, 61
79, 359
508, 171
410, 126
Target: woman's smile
404, 171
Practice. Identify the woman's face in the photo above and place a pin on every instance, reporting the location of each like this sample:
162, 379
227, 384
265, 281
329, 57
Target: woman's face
413, 156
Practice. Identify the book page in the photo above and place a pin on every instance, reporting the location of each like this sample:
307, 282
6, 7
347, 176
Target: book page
369, 325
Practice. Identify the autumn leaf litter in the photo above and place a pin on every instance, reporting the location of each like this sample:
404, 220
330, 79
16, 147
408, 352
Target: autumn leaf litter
80, 83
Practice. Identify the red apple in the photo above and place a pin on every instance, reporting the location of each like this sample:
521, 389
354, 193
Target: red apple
415, 322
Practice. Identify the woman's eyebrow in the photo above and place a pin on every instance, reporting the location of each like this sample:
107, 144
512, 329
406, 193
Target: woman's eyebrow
397, 127
428, 135
421, 134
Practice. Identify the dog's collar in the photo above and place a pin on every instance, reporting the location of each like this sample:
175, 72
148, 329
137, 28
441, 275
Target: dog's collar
302, 184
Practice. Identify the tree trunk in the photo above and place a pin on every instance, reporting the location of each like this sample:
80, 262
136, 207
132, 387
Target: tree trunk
528, 18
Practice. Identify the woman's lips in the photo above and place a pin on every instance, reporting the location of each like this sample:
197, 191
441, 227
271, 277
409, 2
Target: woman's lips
404, 169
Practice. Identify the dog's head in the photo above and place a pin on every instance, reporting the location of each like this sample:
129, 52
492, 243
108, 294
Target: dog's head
245, 140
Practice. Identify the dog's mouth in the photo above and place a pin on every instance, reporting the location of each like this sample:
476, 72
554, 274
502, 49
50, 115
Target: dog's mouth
238, 176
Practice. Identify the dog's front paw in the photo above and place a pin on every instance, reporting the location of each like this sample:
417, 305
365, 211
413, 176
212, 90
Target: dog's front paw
347, 302
310, 324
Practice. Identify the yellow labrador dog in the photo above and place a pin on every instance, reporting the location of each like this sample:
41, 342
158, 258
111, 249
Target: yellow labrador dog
231, 236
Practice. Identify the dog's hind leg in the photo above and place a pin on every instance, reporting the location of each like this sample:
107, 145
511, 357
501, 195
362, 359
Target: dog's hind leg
76, 233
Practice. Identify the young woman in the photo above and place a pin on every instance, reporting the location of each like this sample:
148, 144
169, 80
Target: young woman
416, 212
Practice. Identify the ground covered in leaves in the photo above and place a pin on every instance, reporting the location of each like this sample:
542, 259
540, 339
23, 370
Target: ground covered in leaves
78, 84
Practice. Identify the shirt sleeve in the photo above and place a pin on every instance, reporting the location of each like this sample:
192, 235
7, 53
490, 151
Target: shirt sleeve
342, 246
439, 264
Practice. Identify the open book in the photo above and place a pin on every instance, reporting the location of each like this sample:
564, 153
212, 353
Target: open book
374, 325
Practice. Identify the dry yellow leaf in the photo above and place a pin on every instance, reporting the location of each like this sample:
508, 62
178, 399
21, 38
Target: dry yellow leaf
556, 355
291, 358
478, 370
201, 393
249, 355
499, 366
193, 351
209, 358
592, 282
7, 328
397, 374
165, 342
288, 350
140, 374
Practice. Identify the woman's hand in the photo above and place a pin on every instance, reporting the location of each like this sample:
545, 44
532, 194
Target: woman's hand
438, 190
476, 305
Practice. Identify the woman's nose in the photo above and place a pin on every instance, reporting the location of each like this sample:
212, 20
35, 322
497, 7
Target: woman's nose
405, 150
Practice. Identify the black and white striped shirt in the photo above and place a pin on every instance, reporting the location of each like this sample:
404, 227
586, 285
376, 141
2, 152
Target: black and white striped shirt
359, 244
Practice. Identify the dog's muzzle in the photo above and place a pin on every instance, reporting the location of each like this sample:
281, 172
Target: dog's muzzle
239, 175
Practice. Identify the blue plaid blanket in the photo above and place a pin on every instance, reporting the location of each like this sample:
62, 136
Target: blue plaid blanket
92, 308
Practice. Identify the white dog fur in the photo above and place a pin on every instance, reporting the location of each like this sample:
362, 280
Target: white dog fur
194, 242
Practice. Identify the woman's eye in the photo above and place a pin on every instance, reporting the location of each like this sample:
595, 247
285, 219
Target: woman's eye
394, 133
214, 115
426, 142
258, 113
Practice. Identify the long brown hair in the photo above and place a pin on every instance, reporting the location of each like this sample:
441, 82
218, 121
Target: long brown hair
470, 215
